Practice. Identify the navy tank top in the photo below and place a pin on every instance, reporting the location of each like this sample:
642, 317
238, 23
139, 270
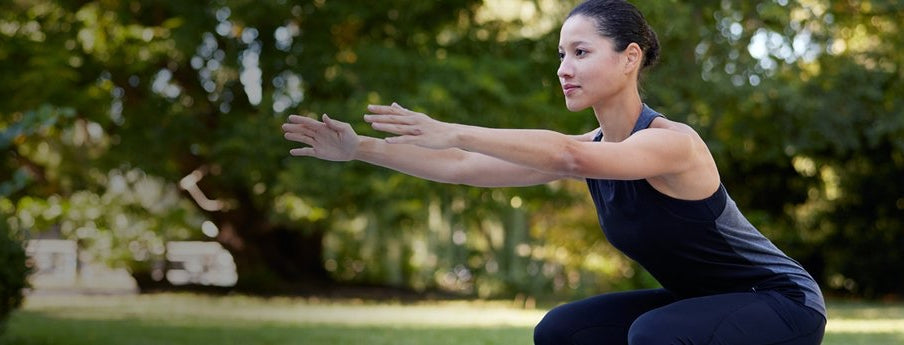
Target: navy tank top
696, 248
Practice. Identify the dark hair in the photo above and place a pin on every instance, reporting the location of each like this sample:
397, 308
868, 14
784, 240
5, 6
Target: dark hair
623, 23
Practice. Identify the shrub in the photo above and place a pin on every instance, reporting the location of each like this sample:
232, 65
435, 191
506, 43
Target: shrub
13, 272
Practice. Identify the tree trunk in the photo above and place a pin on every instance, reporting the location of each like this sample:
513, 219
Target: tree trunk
271, 258
275, 259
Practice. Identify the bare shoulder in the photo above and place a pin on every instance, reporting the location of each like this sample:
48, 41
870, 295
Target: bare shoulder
700, 179
664, 123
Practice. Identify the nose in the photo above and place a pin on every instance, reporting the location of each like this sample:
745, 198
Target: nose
565, 70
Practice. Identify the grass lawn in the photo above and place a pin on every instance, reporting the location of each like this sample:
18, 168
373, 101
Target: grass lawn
195, 319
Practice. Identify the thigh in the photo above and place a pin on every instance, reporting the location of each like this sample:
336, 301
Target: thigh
735, 318
602, 319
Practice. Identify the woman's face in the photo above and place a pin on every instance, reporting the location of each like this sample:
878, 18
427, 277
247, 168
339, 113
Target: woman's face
591, 71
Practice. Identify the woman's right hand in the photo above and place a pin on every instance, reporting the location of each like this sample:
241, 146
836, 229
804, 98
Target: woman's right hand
330, 140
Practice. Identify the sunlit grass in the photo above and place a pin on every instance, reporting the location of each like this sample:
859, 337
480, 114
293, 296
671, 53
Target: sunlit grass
865, 323
188, 308
194, 319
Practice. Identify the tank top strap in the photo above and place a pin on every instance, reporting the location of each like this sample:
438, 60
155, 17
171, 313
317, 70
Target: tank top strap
647, 115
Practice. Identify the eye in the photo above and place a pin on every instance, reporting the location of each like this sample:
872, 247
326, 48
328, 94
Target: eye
580, 52
561, 56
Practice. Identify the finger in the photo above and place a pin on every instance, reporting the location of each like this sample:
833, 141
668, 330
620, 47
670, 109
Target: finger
301, 138
397, 129
394, 109
327, 121
302, 120
292, 127
384, 109
338, 126
398, 119
403, 109
302, 129
383, 127
313, 133
305, 151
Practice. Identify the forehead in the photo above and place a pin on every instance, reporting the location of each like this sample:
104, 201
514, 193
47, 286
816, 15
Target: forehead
579, 29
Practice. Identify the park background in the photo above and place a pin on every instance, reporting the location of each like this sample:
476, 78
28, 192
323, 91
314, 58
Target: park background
130, 125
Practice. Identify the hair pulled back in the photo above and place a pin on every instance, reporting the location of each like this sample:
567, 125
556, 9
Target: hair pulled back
624, 24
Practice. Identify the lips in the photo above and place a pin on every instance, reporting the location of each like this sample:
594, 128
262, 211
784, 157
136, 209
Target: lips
569, 88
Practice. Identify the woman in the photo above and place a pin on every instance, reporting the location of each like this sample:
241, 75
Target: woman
655, 185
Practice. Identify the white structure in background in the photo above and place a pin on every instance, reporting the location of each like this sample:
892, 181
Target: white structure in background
55, 262
204, 263
57, 268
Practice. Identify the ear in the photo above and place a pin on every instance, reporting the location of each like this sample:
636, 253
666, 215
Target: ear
634, 58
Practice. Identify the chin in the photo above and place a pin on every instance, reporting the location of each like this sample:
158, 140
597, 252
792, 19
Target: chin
575, 106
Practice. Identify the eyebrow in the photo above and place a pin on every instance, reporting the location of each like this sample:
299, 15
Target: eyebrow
575, 43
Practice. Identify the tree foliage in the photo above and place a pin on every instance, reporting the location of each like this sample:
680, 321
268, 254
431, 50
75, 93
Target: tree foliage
134, 121
13, 270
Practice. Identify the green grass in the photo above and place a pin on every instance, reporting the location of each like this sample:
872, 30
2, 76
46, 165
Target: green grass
193, 319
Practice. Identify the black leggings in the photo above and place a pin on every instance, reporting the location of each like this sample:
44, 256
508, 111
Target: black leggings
657, 317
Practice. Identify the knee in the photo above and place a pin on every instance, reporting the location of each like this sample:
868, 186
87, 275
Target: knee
552, 329
647, 331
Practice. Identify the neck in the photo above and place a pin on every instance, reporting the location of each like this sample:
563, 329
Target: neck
618, 115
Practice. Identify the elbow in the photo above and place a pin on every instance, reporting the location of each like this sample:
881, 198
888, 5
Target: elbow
570, 161
456, 172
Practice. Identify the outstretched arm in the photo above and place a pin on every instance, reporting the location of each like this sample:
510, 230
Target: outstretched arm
337, 141
649, 153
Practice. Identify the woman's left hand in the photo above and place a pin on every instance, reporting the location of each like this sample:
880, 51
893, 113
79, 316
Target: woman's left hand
411, 127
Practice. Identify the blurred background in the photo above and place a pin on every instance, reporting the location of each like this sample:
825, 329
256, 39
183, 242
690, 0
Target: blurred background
143, 149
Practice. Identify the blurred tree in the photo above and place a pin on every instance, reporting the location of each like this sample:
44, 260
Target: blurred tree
798, 102
13, 270
115, 98
195, 93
